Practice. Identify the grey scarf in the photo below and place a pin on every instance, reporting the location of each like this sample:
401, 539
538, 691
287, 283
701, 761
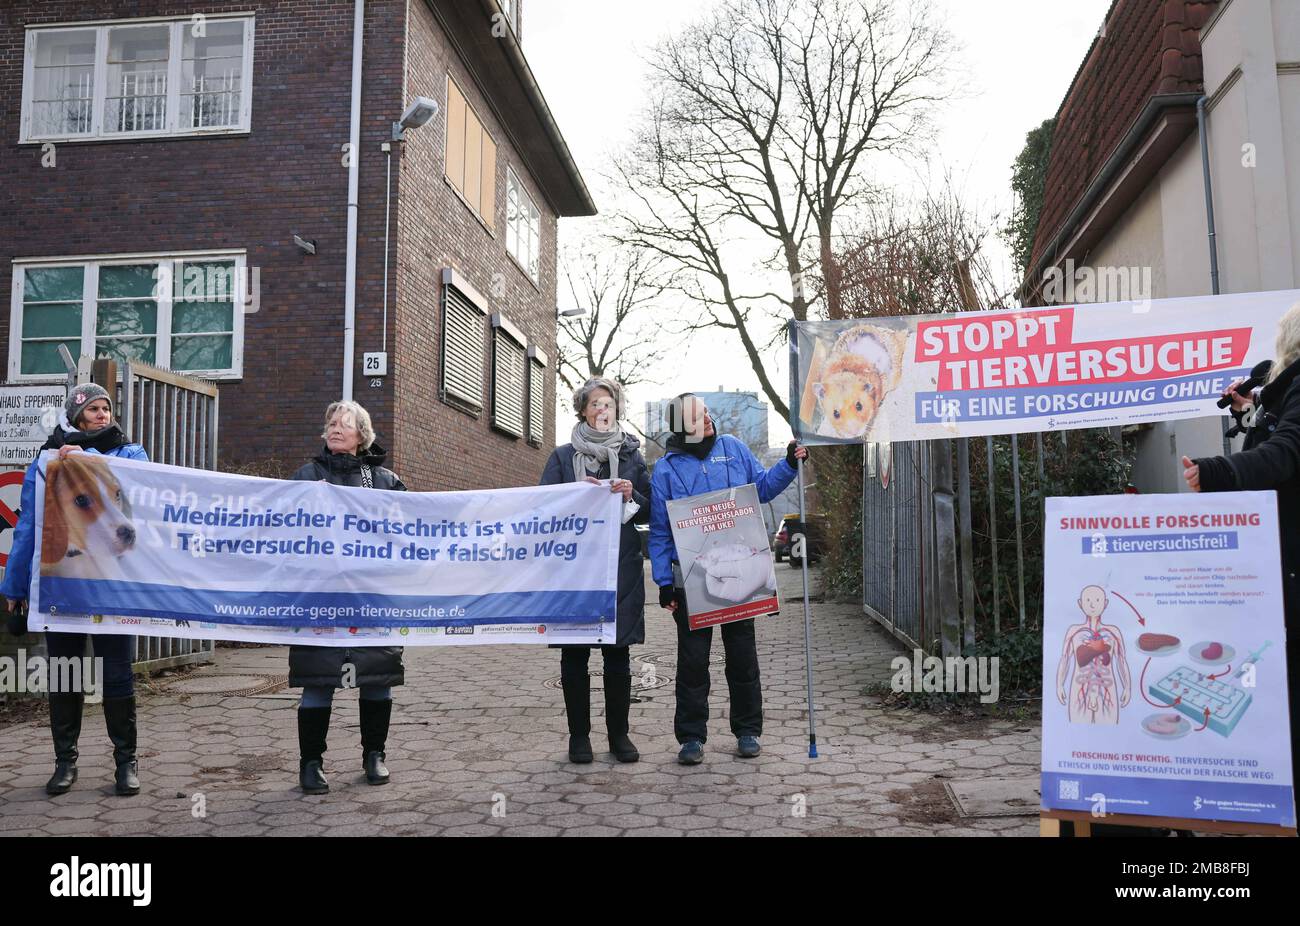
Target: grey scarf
592, 447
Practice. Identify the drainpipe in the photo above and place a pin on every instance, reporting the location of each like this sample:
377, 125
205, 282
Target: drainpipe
1209, 192
354, 167
1201, 116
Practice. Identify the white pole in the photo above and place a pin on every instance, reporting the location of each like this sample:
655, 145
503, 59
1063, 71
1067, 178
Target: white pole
354, 167
807, 618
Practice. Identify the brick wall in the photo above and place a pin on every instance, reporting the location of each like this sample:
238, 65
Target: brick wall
286, 177
251, 191
439, 447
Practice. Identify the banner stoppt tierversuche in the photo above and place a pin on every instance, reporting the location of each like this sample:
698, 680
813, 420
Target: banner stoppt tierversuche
969, 374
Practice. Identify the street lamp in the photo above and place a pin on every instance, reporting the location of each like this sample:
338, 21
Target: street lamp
572, 313
421, 110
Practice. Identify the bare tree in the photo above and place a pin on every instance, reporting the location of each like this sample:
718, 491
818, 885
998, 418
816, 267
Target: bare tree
621, 289
761, 118
918, 259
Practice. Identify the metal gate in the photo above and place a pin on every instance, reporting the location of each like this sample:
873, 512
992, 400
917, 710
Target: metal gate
941, 566
174, 417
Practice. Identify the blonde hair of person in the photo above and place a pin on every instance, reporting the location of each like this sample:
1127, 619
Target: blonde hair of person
1288, 342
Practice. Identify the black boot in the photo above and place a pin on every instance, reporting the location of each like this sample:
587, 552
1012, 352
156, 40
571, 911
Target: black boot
577, 708
119, 718
618, 697
313, 728
374, 732
65, 728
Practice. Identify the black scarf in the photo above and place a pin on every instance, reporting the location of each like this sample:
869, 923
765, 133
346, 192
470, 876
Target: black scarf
698, 449
104, 440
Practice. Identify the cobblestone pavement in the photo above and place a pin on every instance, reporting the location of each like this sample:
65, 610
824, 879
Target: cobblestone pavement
478, 741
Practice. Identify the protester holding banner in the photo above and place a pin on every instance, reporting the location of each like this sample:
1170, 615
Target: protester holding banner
350, 457
699, 460
86, 425
1271, 460
599, 449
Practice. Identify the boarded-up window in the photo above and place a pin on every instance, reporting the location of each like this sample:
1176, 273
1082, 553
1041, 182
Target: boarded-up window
536, 396
462, 347
471, 155
508, 371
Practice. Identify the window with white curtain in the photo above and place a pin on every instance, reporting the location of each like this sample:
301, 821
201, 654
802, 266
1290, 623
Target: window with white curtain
138, 79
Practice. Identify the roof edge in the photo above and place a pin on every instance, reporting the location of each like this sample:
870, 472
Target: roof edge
515, 54
1156, 106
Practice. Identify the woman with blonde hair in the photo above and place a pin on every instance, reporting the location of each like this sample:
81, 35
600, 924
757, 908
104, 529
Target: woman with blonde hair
1270, 459
350, 457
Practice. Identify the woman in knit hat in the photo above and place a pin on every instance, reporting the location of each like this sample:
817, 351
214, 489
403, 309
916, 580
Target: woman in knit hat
599, 450
86, 425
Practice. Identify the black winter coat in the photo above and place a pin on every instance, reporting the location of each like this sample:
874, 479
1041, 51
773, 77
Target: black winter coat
323, 665
631, 575
1271, 460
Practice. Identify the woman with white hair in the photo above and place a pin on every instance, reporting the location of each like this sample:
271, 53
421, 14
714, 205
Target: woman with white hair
350, 457
599, 450
1270, 459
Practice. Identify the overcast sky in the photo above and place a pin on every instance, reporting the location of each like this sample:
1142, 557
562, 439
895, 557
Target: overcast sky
1019, 57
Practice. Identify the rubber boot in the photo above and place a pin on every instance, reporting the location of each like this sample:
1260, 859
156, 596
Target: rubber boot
618, 698
313, 728
374, 732
119, 719
65, 728
577, 708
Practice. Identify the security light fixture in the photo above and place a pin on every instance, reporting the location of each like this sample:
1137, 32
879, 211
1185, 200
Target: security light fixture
307, 247
421, 110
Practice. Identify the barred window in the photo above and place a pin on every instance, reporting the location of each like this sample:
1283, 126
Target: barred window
174, 76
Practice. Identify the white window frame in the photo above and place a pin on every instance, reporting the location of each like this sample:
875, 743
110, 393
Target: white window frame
100, 91
515, 190
90, 301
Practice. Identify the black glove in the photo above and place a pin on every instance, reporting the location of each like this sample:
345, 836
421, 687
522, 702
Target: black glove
17, 619
667, 595
789, 454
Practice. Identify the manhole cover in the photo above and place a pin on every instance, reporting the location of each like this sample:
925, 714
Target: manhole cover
640, 682
227, 684
670, 659
995, 797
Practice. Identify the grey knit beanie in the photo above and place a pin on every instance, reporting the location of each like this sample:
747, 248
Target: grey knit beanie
82, 395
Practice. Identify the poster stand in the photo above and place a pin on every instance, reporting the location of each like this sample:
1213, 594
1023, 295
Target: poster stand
1049, 824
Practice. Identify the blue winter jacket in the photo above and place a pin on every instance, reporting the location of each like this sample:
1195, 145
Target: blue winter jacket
678, 475
18, 571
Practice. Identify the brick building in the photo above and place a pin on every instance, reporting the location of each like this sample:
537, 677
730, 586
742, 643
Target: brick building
1127, 181
169, 166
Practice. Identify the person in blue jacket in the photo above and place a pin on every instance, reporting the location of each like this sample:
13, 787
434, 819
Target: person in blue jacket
699, 460
86, 425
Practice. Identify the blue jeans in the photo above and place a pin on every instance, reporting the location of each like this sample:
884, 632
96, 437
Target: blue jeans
323, 695
114, 649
